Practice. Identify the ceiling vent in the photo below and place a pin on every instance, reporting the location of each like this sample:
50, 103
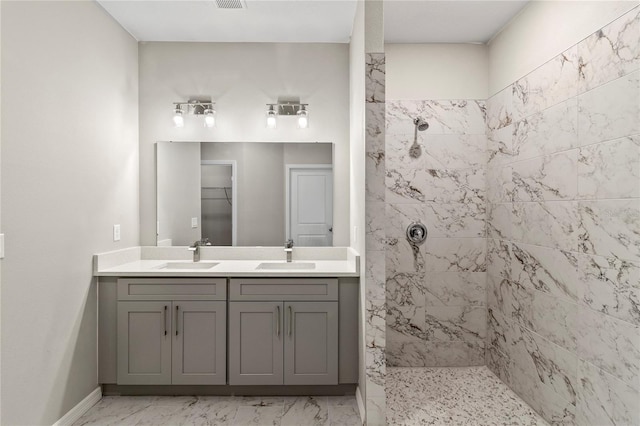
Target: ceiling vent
231, 4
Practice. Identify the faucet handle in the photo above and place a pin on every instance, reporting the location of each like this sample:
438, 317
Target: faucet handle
289, 243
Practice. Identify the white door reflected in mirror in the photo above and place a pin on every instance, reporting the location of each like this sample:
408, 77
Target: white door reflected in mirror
310, 204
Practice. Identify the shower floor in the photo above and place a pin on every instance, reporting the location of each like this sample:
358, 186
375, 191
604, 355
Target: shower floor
453, 396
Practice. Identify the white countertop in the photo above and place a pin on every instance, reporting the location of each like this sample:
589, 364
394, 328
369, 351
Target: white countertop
232, 262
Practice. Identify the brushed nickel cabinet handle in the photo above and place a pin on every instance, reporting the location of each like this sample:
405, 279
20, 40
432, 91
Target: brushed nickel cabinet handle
165, 320
177, 315
278, 323
290, 319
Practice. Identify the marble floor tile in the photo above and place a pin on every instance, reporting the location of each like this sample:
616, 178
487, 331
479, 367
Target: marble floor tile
453, 396
116, 411
249, 415
218, 410
306, 410
344, 415
175, 415
223, 410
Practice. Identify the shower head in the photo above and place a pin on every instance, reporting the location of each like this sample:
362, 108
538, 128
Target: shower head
421, 124
414, 150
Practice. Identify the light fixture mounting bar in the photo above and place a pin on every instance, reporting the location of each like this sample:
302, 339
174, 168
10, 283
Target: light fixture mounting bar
195, 107
203, 104
288, 108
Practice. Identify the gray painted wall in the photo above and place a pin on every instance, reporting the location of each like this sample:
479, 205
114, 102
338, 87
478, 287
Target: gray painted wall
69, 172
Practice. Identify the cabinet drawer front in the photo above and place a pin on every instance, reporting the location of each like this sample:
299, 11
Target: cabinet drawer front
172, 289
284, 289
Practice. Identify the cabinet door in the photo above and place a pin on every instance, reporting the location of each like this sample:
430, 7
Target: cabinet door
311, 343
144, 343
199, 343
255, 343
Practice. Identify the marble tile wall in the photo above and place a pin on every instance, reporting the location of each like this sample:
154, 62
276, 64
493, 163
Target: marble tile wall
375, 309
436, 313
563, 228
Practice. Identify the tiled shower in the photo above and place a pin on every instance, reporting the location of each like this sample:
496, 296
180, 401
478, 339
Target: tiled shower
532, 262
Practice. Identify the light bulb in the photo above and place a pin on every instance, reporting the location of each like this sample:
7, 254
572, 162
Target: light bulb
178, 119
303, 118
209, 117
271, 118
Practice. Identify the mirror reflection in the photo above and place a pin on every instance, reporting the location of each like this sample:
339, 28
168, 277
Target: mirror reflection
244, 193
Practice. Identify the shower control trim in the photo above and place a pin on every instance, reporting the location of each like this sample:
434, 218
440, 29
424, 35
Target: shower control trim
416, 233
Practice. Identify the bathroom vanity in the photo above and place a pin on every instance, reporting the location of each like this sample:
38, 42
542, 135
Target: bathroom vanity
240, 321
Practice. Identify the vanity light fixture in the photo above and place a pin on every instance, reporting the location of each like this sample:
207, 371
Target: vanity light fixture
287, 108
194, 107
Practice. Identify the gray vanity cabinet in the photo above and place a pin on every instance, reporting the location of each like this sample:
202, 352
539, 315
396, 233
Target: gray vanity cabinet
272, 331
291, 339
175, 340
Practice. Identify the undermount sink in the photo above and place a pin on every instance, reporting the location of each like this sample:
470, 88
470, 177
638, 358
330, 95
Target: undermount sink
286, 266
187, 265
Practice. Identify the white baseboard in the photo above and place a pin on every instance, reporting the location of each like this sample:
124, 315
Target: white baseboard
82, 407
361, 408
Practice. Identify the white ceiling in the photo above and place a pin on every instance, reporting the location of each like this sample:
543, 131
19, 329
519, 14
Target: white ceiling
450, 21
310, 21
304, 21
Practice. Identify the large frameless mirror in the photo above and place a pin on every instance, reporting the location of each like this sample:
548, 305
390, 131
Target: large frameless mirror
244, 193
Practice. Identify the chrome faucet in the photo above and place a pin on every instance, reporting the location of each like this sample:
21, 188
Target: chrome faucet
195, 248
288, 248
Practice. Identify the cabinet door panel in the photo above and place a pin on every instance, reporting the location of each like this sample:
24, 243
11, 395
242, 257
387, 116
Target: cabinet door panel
311, 343
144, 343
255, 343
199, 343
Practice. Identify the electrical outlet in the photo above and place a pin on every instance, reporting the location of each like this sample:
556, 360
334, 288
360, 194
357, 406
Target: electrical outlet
194, 222
116, 232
